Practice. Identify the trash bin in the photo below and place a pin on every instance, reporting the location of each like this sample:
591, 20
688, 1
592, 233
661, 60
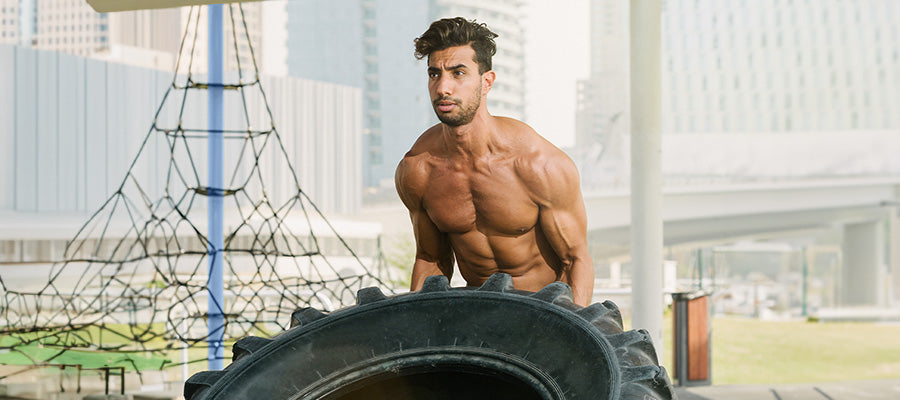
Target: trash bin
691, 343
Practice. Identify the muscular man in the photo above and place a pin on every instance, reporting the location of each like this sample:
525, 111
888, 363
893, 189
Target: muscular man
488, 190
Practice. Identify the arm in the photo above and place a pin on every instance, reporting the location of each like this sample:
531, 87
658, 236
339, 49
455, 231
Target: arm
433, 253
563, 220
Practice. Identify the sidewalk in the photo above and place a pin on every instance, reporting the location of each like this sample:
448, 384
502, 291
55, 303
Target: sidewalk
855, 390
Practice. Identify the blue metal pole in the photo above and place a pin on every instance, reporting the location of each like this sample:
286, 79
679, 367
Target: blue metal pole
215, 285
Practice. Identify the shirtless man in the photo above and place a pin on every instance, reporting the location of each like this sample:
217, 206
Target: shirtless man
488, 190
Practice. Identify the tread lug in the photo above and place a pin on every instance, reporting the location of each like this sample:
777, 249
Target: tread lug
498, 282
369, 295
605, 316
556, 292
304, 316
201, 381
247, 346
436, 283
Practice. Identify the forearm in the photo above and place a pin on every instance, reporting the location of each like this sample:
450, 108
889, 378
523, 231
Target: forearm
423, 269
580, 276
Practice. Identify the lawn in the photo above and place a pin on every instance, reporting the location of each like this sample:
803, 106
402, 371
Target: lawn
753, 351
744, 351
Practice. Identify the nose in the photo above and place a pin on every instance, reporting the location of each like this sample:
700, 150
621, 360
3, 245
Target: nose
444, 86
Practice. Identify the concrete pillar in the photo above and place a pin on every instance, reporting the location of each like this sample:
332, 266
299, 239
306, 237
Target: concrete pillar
646, 170
863, 250
893, 262
615, 274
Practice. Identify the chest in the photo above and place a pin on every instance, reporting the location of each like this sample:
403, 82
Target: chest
494, 202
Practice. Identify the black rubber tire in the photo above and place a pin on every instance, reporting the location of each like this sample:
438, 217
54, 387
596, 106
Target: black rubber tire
493, 343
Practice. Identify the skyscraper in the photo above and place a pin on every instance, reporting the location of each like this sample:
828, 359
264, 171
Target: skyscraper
602, 106
604, 95
10, 26
752, 66
369, 44
149, 38
746, 66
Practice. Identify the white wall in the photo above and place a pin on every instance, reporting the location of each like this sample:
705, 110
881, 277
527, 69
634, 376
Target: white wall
70, 127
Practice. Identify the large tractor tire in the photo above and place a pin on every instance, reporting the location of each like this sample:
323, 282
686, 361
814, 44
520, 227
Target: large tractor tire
493, 342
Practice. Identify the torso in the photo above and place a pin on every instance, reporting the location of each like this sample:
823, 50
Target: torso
488, 212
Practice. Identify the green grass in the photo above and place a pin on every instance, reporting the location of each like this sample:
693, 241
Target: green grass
47, 347
748, 351
744, 351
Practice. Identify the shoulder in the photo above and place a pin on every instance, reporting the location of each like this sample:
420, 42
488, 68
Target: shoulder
414, 168
545, 169
535, 154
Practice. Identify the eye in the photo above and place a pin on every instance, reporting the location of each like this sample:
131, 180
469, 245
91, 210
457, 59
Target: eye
459, 72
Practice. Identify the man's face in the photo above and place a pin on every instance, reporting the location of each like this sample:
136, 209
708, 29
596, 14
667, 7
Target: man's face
455, 84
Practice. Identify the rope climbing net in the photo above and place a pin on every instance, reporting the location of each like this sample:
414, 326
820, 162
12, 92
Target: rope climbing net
134, 278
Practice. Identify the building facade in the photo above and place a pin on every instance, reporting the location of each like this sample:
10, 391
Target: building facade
10, 22
739, 66
146, 38
759, 66
73, 126
369, 44
602, 104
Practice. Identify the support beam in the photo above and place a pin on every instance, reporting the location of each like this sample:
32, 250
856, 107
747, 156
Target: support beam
646, 170
893, 237
863, 247
215, 149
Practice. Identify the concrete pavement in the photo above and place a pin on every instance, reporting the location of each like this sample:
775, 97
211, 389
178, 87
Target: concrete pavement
856, 390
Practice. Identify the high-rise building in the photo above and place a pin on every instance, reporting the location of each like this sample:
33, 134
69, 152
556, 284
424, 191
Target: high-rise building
150, 38
602, 107
803, 65
746, 66
71, 27
369, 44
236, 49
9, 22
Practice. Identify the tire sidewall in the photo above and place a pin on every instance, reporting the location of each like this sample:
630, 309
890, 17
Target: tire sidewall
543, 344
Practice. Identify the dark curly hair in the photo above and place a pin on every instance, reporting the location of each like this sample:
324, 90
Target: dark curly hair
451, 32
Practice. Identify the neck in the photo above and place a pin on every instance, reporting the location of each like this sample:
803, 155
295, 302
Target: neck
473, 139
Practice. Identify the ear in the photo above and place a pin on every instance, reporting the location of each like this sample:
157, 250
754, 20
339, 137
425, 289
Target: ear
487, 81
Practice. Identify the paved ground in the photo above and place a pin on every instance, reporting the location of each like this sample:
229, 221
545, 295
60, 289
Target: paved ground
856, 390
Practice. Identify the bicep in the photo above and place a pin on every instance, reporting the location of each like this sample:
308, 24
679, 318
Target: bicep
565, 228
433, 254
563, 218
564, 223
432, 245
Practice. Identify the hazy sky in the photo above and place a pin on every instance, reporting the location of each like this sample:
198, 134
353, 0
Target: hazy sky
557, 37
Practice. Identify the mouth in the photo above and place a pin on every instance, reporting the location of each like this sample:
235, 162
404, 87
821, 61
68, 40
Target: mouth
444, 105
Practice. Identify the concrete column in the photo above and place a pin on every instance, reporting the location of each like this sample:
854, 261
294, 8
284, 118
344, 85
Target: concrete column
646, 170
893, 262
862, 268
615, 274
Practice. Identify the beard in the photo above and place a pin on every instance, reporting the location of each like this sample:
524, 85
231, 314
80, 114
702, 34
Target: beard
465, 111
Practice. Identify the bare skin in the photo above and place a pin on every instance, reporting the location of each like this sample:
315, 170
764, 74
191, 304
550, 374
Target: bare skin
490, 192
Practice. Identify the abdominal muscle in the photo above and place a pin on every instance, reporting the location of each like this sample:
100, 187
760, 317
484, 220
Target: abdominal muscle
479, 256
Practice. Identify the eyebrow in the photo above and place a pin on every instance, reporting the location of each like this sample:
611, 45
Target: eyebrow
459, 66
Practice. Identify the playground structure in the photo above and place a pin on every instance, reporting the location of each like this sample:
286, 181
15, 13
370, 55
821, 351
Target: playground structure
144, 285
